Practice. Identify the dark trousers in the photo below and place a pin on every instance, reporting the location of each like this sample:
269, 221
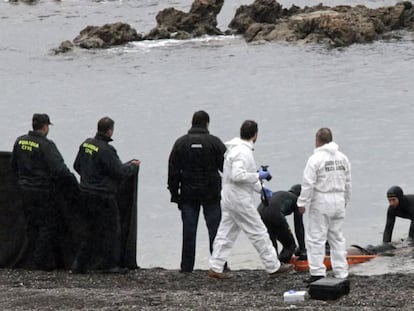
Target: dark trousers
283, 234
100, 245
189, 216
43, 224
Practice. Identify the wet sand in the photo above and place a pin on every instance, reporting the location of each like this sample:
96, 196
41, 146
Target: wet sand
160, 289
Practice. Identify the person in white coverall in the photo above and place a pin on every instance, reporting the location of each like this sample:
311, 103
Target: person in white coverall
326, 188
241, 183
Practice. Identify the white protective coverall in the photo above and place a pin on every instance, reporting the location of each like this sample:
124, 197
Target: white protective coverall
239, 208
326, 188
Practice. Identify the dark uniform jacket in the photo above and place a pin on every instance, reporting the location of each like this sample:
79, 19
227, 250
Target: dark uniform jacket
281, 204
405, 209
99, 166
38, 163
193, 168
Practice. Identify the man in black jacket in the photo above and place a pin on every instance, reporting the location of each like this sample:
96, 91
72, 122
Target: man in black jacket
194, 180
281, 204
101, 172
400, 206
40, 167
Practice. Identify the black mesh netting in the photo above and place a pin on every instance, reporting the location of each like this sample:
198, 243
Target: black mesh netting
15, 246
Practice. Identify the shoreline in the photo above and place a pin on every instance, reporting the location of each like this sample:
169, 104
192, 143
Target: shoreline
162, 289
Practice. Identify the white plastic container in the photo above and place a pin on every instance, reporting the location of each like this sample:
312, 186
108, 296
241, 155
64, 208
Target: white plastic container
294, 296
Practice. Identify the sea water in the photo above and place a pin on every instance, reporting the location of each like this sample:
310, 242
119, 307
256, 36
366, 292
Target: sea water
364, 93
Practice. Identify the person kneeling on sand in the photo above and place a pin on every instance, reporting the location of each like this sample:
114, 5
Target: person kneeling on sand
240, 181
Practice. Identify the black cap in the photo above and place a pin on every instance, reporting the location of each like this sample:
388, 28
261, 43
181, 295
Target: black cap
295, 189
40, 119
395, 192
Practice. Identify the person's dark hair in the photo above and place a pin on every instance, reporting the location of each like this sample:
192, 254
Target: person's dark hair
395, 192
248, 129
105, 124
40, 119
296, 189
200, 119
324, 135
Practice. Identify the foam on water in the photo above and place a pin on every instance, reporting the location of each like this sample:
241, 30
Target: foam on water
148, 45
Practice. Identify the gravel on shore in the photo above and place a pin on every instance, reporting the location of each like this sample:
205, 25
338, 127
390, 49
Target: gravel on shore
160, 289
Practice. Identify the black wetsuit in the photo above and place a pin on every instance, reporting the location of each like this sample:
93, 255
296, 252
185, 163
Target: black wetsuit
405, 209
283, 203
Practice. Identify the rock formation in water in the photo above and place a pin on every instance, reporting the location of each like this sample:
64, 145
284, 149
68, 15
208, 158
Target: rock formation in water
266, 20
27, 1
108, 35
263, 20
175, 24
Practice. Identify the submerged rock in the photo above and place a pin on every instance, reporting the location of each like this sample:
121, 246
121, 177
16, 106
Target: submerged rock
64, 47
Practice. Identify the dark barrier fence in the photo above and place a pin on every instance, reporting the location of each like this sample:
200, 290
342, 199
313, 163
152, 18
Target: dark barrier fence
16, 246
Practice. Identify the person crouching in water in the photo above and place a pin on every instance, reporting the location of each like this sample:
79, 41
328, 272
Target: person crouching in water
400, 206
281, 204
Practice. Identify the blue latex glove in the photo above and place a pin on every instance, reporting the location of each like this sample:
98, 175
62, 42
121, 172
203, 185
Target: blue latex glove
267, 192
263, 174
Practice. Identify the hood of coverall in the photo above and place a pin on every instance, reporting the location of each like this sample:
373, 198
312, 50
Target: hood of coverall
237, 142
331, 147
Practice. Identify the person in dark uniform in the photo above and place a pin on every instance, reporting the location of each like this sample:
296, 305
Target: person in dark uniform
101, 172
194, 180
282, 204
40, 167
400, 206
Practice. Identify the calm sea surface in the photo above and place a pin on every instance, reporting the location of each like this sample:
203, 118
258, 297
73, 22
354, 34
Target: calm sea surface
364, 93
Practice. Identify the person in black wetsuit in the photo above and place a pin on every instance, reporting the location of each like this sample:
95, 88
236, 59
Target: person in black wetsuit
281, 204
400, 206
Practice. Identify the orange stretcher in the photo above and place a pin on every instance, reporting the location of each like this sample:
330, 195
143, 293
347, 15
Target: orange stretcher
302, 265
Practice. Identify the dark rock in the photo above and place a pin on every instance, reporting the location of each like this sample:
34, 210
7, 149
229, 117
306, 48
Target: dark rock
337, 26
158, 33
24, 1
106, 36
180, 35
200, 20
261, 11
206, 7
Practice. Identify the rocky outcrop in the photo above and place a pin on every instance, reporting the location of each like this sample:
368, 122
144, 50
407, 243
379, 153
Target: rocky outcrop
337, 26
24, 1
200, 20
263, 20
27, 1
106, 36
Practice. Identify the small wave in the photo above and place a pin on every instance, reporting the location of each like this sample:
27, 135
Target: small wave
148, 45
